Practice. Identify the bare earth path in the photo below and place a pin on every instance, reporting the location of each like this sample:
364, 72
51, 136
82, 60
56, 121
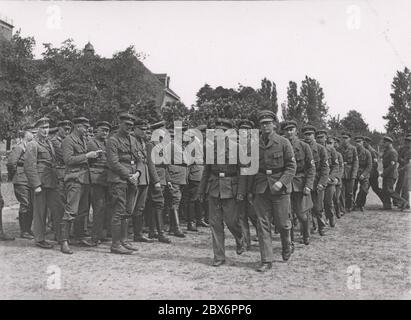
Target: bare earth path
374, 245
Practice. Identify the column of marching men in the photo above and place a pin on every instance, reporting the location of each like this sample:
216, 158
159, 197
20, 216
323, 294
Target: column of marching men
303, 184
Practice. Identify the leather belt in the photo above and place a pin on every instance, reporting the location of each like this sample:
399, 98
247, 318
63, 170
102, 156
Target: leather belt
224, 174
270, 171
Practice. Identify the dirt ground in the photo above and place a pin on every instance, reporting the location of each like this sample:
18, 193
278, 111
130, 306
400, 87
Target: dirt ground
366, 256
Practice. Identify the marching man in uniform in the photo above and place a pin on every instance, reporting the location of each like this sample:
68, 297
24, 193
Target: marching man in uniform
269, 190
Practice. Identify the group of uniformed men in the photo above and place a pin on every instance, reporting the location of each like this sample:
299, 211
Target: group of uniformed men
309, 182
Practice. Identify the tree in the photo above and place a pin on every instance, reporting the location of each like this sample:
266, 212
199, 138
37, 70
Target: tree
17, 81
399, 113
294, 110
354, 123
311, 100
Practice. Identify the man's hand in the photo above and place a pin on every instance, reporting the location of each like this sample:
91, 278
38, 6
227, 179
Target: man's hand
37, 190
239, 197
320, 187
157, 185
92, 155
362, 177
307, 191
250, 198
170, 185
278, 185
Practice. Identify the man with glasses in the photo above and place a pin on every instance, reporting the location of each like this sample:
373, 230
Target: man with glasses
123, 177
363, 174
269, 190
327, 142
350, 158
225, 187
77, 184
320, 157
303, 180
98, 180
40, 169
246, 210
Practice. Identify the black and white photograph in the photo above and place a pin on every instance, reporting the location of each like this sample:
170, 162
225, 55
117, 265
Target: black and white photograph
205, 150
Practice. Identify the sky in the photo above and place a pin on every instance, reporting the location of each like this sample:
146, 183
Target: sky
353, 48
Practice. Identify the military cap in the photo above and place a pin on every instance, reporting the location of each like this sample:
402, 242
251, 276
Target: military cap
223, 123
346, 134
81, 120
64, 123
127, 117
104, 124
290, 124
308, 129
157, 125
368, 139
245, 124
387, 138
356, 138
41, 122
320, 133
53, 130
266, 116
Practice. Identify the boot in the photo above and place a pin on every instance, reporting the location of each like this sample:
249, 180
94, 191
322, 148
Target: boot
306, 232
292, 239
176, 231
64, 231
201, 214
332, 221
158, 218
138, 222
3, 236
116, 233
286, 244
191, 216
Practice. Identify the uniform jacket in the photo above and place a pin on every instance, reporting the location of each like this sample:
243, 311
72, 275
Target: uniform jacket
122, 157
350, 158
223, 181
178, 172
322, 170
374, 155
161, 169
15, 164
98, 166
74, 155
57, 142
305, 172
364, 162
333, 164
340, 167
39, 164
146, 165
389, 163
278, 156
